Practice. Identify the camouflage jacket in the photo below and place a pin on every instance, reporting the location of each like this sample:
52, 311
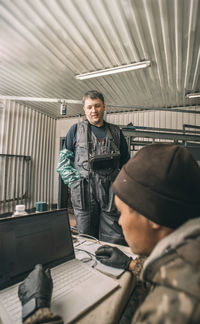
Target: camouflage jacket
173, 270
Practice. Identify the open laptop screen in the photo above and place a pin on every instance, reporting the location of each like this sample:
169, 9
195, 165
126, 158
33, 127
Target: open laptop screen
28, 240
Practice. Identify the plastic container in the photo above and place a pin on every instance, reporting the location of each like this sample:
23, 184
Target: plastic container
20, 211
41, 206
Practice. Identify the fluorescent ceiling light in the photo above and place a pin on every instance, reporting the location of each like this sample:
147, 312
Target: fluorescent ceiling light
193, 95
117, 69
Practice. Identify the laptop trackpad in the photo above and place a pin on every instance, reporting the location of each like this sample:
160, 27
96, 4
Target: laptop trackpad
70, 306
79, 300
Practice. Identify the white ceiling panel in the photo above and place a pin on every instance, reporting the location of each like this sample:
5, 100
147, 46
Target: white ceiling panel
44, 44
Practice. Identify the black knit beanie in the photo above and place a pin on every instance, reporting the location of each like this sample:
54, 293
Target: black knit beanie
161, 182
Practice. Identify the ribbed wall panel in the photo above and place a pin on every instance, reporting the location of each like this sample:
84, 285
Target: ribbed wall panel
158, 119
161, 119
27, 132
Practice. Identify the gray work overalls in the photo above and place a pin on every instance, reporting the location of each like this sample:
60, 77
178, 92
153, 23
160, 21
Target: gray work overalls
92, 196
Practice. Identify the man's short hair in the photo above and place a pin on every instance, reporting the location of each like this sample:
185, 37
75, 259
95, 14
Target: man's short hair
93, 94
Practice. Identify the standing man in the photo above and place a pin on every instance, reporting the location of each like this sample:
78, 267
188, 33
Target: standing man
100, 151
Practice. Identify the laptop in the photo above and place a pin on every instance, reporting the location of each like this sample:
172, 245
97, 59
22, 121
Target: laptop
46, 238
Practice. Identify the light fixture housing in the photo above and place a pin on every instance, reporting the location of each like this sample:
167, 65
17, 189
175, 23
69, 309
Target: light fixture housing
117, 69
63, 109
193, 95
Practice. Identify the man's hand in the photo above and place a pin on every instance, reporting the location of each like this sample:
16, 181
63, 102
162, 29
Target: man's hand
36, 290
113, 257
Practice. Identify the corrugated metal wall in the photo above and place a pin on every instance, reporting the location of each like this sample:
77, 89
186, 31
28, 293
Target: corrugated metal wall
161, 119
26, 132
158, 119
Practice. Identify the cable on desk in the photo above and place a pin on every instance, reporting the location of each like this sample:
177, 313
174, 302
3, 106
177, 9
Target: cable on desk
74, 239
90, 236
85, 260
75, 232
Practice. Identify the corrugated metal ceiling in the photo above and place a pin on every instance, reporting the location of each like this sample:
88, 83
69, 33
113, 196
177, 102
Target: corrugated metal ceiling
45, 43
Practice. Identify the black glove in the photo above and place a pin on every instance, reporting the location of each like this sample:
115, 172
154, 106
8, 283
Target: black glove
113, 257
35, 291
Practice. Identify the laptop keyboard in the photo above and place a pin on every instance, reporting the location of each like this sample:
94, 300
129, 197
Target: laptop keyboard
65, 278
10, 301
68, 276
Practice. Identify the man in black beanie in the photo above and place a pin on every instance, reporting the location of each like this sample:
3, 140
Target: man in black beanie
157, 193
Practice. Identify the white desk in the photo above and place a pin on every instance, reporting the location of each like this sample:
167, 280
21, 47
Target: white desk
110, 309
